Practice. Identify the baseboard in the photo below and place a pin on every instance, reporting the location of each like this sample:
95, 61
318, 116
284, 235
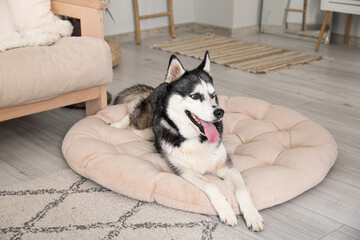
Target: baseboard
237, 32
294, 30
205, 28
186, 27
227, 32
297, 26
339, 39
148, 33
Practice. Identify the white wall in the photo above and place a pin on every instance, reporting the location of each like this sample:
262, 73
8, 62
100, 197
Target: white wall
214, 12
245, 13
227, 13
223, 13
339, 24
272, 14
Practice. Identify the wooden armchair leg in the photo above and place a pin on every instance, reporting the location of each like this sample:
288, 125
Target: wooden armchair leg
93, 106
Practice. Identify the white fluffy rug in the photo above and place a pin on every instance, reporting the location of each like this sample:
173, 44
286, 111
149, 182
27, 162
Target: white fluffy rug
67, 206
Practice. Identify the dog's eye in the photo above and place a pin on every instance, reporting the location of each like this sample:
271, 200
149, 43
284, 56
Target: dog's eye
212, 95
195, 96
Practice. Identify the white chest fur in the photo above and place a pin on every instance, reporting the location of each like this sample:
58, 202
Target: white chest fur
200, 157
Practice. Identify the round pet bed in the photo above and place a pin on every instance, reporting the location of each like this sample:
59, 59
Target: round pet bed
279, 152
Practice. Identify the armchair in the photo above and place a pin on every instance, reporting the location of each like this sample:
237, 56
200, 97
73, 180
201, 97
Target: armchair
73, 70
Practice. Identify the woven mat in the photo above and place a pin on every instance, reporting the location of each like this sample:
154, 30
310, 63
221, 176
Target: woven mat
250, 57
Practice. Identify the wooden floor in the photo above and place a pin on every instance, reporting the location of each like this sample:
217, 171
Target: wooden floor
327, 92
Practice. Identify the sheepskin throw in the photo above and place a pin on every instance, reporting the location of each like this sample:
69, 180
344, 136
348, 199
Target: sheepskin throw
42, 36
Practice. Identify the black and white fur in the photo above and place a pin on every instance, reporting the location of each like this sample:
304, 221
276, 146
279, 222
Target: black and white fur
188, 132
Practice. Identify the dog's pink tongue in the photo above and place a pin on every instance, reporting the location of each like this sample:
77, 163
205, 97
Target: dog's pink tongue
210, 131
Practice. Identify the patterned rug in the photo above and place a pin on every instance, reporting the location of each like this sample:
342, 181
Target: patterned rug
67, 206
250, 57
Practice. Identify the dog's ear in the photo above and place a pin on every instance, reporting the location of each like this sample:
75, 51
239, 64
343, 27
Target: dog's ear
175, 70
205, 64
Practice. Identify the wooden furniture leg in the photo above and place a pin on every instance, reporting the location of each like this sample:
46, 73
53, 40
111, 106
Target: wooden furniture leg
171, 19
326, 17
137, 21
303, 27
94, 105
138, 17
346, 39
284, 24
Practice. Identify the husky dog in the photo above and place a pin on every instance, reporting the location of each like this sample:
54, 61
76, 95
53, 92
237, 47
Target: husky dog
184, 115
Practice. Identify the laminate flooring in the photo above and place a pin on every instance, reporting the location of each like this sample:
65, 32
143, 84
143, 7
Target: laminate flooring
327, 92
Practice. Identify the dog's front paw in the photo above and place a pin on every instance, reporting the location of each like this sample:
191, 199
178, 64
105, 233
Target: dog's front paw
254, 221
227, 216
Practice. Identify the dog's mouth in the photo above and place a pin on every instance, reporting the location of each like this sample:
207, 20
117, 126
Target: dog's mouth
206, 128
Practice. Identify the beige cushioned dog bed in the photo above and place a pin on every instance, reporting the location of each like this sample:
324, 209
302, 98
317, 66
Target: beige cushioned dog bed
279, 152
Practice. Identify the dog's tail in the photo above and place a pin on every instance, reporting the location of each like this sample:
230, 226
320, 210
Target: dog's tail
133, 95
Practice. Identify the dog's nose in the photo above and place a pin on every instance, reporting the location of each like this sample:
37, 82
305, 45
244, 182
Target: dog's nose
219, 113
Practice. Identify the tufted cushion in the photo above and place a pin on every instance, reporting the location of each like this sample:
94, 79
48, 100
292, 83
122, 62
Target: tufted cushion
279, 152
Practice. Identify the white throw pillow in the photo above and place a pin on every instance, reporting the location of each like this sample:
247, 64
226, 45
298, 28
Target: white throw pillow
7, 27
31, 13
